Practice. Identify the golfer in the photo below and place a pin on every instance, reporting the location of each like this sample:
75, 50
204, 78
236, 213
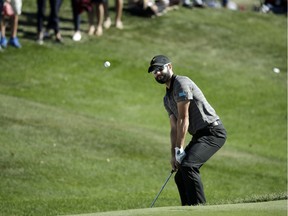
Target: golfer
188, 111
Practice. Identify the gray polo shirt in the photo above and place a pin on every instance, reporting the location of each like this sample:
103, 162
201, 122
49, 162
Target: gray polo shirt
201, 113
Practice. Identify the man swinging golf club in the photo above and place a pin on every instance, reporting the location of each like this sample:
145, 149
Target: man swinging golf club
188, 111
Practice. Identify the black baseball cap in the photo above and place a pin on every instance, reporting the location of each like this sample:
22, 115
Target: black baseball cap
157, 62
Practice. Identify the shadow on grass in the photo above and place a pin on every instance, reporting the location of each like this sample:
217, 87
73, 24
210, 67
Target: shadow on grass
28, 25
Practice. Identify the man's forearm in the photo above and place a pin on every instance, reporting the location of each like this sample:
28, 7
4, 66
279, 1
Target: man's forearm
182, 127
173, 138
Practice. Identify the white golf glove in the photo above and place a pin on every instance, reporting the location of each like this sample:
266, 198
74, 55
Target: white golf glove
179, 154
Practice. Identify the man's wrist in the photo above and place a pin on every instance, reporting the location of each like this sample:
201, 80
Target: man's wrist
179, 154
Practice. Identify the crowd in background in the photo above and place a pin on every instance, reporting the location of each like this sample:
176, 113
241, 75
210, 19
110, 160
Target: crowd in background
98, 15
12, 10
98, 18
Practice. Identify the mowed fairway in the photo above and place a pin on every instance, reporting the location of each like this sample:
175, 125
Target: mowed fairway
275, 208
79, 138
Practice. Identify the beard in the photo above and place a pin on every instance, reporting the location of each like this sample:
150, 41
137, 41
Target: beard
161, 81
166, 75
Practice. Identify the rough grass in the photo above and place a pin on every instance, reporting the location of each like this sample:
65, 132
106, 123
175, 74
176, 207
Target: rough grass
77, 137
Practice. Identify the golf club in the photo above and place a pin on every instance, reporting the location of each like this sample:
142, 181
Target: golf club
152, 204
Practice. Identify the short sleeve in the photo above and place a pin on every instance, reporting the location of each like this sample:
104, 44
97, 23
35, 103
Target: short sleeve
183, 90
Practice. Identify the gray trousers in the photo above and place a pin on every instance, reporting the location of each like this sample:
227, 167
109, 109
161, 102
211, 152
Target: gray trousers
204, 144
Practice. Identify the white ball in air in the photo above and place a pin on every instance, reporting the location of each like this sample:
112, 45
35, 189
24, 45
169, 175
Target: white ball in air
107, 64
276, 70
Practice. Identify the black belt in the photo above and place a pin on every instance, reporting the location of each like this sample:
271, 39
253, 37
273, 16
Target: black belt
206, 130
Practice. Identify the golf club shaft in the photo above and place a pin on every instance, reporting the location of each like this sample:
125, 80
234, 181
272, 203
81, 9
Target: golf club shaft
152, 204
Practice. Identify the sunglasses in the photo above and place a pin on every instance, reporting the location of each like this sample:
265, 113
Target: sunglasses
161, 68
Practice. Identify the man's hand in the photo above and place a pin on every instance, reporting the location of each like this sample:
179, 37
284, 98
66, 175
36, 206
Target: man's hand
174, 164
179, 154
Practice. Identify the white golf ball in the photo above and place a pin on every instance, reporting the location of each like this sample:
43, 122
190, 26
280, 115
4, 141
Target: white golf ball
276, 70
107, 64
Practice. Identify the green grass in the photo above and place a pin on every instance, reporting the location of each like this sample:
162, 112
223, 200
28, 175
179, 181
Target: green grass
79, 138
277, 208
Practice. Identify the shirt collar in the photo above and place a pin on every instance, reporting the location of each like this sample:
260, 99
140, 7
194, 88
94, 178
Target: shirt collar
171, 83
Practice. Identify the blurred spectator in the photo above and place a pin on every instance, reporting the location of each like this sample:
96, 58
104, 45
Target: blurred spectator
224, 3
76, 20
204, 3
275, 6
193, 3
199, 3
1, 9
187, 4
173, 4
213, 3
148, 8
53, 20
98, 11
11, 10
118, 18
78, 6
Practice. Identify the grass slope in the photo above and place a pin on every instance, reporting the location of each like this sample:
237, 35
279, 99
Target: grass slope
275, 208
77, 137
